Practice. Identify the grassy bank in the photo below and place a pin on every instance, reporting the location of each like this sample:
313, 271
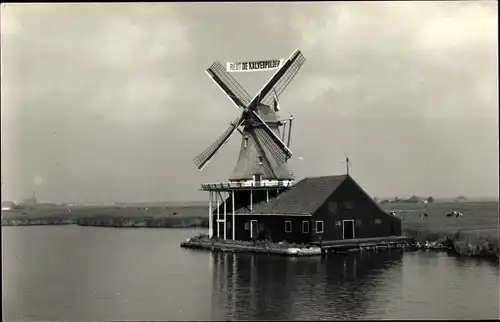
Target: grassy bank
463, 244
110, 216
36, 221
144, 222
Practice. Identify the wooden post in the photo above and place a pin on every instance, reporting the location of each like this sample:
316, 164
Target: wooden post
225, 227
251, 197
289, 131
234, 285
234, 220
218, 215
210, 217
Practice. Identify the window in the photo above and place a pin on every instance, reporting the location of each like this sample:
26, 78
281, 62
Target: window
338, 223
245, 142
358, 222
305, 227
257, 177
288, 226
247, 226
228, 225
261, 226
348, 205
319, 227
261, 159
332, 206
378, 221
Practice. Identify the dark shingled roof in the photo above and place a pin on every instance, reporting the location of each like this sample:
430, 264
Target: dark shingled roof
305, 197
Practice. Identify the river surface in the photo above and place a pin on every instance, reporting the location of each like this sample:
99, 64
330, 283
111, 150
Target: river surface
90, 273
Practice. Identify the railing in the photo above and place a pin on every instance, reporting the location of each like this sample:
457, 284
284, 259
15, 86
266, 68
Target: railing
248, 184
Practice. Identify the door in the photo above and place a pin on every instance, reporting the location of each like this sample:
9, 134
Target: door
220, 232
254, 229
393, 229
258, 178
348, 229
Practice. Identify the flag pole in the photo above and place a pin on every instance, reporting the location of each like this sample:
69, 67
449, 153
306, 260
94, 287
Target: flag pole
347, 162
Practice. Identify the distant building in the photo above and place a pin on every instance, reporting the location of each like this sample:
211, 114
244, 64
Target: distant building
316, 208
30, 202
7, 205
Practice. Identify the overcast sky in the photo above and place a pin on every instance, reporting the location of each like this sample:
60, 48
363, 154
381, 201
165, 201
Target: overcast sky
110, 102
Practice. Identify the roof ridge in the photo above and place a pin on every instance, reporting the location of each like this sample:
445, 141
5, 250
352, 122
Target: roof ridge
325, 176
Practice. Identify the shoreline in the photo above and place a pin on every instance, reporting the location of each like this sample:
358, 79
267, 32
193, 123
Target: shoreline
458, 245
112, 221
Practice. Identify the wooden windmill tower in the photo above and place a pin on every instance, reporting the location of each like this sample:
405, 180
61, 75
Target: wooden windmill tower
261, 170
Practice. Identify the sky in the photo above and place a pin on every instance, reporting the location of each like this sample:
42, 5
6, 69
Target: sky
110, 102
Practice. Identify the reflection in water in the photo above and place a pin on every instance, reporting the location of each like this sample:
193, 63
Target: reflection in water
282, 288
75, 273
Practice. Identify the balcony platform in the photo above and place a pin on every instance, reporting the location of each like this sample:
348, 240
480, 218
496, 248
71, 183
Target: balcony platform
248, 185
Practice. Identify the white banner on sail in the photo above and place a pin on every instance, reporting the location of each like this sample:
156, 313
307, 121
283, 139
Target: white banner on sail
253, 66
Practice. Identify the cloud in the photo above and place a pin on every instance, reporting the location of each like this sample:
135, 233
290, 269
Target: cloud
403, 48
109, 58
399, 85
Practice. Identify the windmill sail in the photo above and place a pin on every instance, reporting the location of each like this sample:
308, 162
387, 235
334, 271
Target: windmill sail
280, 80
262, 150
204, 157
275, 139
274, 149
229, 85
276, 103
266, 164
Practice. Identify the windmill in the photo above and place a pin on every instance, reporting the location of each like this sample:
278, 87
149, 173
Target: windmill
263, 154
261, 171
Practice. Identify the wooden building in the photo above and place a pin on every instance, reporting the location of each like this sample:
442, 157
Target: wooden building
326, 208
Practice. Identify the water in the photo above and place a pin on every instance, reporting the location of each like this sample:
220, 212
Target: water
89, 273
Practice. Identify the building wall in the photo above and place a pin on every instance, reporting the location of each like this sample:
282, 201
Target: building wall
270, 227
349, 202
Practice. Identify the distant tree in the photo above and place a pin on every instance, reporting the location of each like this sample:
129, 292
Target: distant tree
460, 199
375, 199
414, 199
396, 198
430, 199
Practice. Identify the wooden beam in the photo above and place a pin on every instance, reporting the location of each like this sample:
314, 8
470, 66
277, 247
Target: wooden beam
225, 223
218, 217
234, 217
210, 217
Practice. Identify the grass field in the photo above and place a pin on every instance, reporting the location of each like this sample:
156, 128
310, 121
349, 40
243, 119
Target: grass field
480, 218
112, 216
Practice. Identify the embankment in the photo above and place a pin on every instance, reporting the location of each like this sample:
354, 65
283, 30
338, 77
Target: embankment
282, 248
36, 221
110, 216
463, 244
144, 222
